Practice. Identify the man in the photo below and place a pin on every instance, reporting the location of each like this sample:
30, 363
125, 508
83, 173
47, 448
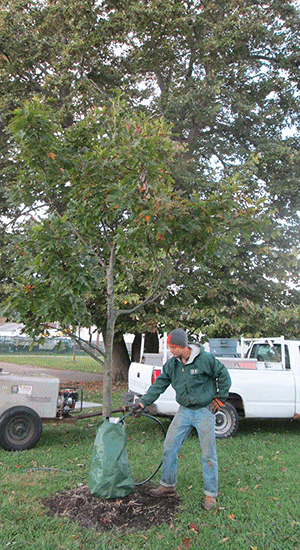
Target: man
201, 384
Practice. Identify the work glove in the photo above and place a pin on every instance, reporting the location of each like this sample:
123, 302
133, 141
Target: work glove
137, 410
216, 405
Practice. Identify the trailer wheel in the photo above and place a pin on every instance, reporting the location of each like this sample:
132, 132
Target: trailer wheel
20, 429
227, 421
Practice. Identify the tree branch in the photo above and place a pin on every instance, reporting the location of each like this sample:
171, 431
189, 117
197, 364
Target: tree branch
88, 247
83, 343
154, 295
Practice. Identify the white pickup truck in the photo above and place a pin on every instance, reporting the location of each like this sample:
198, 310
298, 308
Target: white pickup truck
265, 383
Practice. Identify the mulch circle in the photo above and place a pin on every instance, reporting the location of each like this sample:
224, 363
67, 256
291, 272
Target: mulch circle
137, 510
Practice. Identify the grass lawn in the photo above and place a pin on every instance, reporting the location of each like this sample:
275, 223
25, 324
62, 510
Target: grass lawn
258, 505
83, 363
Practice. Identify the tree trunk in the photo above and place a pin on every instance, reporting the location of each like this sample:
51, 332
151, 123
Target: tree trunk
136, 347
120, 358
110, 329
151, 345
151, 342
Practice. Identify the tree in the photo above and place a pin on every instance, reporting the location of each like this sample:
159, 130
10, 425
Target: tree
225, 74
228, 80
109, 233
99, 212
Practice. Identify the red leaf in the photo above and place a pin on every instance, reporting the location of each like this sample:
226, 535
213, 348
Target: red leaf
186, 544
193, 527
105, 520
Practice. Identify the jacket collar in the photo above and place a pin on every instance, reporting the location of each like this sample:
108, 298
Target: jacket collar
195, 350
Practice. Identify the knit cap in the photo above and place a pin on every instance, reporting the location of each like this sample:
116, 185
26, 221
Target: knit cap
178, 338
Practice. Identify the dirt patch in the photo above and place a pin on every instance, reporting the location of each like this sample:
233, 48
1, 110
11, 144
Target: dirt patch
136, 511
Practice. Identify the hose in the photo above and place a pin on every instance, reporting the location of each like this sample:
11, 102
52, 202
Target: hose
164, 433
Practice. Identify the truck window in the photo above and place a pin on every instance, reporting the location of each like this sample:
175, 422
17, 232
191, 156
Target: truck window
270, 354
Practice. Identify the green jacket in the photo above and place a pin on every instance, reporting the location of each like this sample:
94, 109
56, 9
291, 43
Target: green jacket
195, 382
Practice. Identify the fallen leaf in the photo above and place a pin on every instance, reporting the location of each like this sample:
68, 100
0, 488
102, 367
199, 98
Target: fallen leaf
224, 540
186, 544
232, 516
193, 527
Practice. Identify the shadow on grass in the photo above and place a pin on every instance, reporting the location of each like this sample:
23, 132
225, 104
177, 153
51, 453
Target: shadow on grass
143, 431
268, 426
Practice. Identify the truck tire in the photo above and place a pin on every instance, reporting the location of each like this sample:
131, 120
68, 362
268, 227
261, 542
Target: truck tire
20, 429
227, 421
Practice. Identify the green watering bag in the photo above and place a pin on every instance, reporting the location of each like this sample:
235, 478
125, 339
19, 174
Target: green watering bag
110, 473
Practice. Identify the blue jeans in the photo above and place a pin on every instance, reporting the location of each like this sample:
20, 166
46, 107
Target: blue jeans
180, 428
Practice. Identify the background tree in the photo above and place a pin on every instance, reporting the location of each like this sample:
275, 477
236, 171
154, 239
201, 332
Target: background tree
228, 78
226, 75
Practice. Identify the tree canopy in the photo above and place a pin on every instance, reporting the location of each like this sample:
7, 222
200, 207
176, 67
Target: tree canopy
107, 232
225, 75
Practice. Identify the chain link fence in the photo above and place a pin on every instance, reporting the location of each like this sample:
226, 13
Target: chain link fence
51, 345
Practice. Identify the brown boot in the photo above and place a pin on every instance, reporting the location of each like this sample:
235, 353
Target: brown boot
209, 503
162, 491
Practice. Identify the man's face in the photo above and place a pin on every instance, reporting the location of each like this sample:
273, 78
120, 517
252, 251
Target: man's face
176, 350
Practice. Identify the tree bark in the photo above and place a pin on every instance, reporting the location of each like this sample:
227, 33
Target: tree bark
151, 342
136, 347
120, 358
110, 329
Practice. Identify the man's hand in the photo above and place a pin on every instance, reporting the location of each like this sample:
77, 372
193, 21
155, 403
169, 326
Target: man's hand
216, 405
137, 409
